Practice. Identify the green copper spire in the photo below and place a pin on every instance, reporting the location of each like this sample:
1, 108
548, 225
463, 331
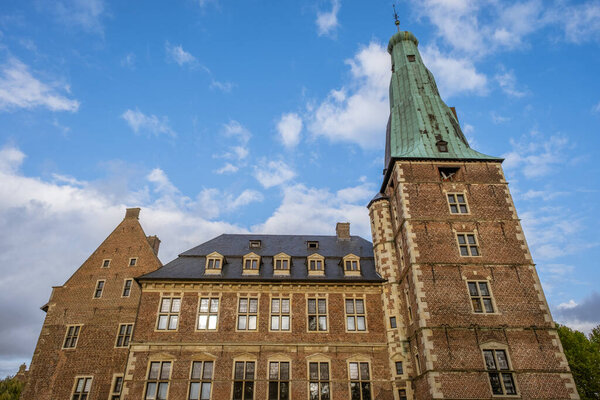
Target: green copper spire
421, 125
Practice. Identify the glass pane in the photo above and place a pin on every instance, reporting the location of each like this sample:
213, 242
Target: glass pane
312, 306
509, 384
354, 391
490, 363
474, 251
253, 306
242, 322
313, 371
277, 264
122, 329
118, 385
353, 370
325, 394
312, 323
214, 305
162, 391
252, 322
319, 265
366, 391
460, 198
284, 373
322, 323
461, 239
204, 305
350, 306
285, 306
285, 323
483, 289
273, 371
151, 390
350, 324
275, 323
312, 264
247, 265
253, 264
399, 369
194, 391
250, 370
238, 387
477, 305
488, 305
239, 370
203, 322
471, 239
217, 264
243, 305
322, 306
360, 324
463, 209
285, 264
175, 305
502, 361
165, 305
360, 308
473, 289
324, 368
364, 371
495, 382
284, 390
80, 383
249, 391
211, 264
173, 319
196, 369
208, 370
205, 395
454, 209
154, 368
212, 322
314, 391
275, 306
464, 251
354, 265
129, 328
393, 322
451, 198
166, 370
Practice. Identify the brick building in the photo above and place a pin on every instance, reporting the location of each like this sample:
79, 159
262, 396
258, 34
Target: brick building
444, 304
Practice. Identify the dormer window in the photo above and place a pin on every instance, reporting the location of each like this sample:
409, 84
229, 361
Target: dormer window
351, 265
251, 263
214, 264
316, 264
281, 264
255, 244
441, 144
312, 245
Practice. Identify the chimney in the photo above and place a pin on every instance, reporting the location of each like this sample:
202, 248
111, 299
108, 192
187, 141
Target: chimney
154, 242
342, 230
132, 213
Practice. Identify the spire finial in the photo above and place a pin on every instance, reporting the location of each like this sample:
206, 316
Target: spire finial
396, 20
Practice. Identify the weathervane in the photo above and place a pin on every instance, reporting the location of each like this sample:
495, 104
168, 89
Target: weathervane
396, 20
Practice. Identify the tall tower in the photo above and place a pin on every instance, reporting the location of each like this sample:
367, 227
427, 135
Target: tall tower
465, 310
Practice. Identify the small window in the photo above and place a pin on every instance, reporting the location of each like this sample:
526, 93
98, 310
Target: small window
214, 263
124, 335
317, 315
442, 146
201, 380
319, 385
243, 380
458, 203
279, 380
281, 264
499, 372
417, 362
247, 314
81, 391
168, 317
351, 265
105, 263
316, 264
312, 245
133, 262
481, 297
402, 394
251, 263
360, 381
71, 336
280, 314
355, 315
255, 244
448, 174
127, 287
393, 322
116, 388
208, 313
99, 289
467, 244
399, 368
157, 385
411, 58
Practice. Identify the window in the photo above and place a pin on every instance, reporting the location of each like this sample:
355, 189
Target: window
168, 317
399, 369
133, 262
255, 244
448, 174
312, 245
393, 322
457, 203
355, 315
467, 243
411, 58
402, 394
316, 264
442, 145
317, 314
281, 264
71, 336
117, 386
319, 381
127, 287
247, 314
481, 298
157, 385
499, 372
105, 263
351, 265
360, 384
280, 314
124, 335
408, 306
214, 263
417, 361
201, 380
243, 380
208, 313
251, 264
82, 388
279, 380
99, 289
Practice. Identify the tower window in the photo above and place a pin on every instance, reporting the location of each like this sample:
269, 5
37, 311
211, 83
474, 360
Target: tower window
467, 244
393, 322
442, 146
499, 372
411, 58
458, 203
360, 381
481, 297
133, 262
99, 289
313, 245
255, 244
399, 368
82, 388
448, 174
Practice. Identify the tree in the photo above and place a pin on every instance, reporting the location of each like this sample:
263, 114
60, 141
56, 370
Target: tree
10, 388
583, 355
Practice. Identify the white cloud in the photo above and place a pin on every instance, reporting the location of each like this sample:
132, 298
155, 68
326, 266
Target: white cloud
225, 87
148, 124
128, 61
454, 75
498, 119
228, 168
565, 306
234, 129
327, 21
508, 83
179, 55
581, 21
20, 89
273, 173
236, 152
596, 108
289, 128
83, 14
357, 113
536, 156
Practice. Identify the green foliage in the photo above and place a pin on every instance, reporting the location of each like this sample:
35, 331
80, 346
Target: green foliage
10, 388
583, 355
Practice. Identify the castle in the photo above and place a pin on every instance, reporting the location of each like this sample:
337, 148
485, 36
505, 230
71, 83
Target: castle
445, 303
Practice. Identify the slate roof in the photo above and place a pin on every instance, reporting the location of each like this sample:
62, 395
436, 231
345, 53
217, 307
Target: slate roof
190, 264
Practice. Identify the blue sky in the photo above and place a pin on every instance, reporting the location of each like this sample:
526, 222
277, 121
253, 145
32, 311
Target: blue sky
221, 116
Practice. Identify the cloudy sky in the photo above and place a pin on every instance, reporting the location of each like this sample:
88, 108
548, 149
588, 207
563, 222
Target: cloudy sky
226, 116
